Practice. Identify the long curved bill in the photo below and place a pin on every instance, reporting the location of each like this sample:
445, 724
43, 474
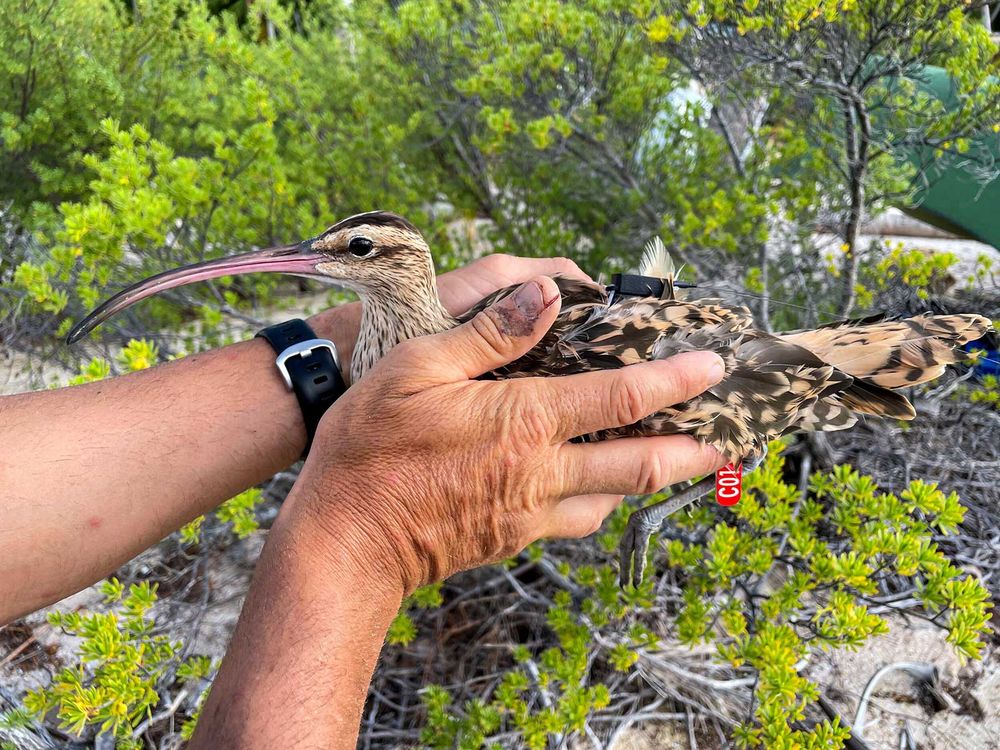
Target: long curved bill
298, 259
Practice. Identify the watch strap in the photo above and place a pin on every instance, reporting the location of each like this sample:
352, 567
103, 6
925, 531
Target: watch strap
310, 367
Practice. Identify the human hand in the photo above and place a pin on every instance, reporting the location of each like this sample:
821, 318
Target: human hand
462, 288
420, 471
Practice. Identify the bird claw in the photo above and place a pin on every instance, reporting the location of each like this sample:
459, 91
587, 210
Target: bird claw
751, 463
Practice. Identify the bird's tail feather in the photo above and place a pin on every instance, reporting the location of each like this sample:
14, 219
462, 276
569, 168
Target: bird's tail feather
893, 353
657, 263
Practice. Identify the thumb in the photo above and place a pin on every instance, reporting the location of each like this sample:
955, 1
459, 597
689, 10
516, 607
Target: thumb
501, 333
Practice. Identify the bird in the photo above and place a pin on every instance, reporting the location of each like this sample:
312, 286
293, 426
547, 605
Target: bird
775, 383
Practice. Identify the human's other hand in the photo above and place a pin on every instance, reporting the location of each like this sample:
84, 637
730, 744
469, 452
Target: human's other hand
420, 471
462, 288
459, 290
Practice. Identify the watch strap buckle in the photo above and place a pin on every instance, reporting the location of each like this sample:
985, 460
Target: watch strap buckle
303, 349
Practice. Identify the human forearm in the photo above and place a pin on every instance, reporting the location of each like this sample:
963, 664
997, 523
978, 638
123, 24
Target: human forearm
307, 640
92, 475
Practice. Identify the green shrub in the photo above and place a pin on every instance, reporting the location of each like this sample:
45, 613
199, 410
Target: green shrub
402, 631
814, 564
122, 663
208, 143
563, 123
811, 566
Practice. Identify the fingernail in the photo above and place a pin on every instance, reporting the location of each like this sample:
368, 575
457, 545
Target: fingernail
719, 459
523, 306
517, 312
707, 362
717, 369
528, 300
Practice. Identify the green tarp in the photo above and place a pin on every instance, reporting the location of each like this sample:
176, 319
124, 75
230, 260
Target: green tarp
951, 195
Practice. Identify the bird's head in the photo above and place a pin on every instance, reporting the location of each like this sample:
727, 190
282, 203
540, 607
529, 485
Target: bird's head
371, 253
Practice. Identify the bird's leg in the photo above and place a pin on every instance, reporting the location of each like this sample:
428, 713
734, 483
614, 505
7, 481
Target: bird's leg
643, 522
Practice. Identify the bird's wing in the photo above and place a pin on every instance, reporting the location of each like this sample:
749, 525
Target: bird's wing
626, 332
769, 388
772, 386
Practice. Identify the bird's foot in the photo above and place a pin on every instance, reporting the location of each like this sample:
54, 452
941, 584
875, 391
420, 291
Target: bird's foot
634, 544
643, 522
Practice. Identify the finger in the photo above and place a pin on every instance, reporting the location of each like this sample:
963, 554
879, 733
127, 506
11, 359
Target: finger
635, 466
580, 516
464, 287
594, 401
549, 267
498, 335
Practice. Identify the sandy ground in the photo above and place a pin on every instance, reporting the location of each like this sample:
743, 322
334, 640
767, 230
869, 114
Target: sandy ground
972, 691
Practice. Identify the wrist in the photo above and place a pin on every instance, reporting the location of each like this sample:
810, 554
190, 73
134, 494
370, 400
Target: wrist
344, 535
307, 640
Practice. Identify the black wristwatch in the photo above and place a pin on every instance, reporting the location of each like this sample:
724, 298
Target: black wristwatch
310, 367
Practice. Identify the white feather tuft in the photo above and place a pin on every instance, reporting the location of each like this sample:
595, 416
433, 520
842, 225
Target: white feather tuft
656, 261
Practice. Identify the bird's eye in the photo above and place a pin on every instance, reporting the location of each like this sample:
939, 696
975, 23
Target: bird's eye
360, 246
